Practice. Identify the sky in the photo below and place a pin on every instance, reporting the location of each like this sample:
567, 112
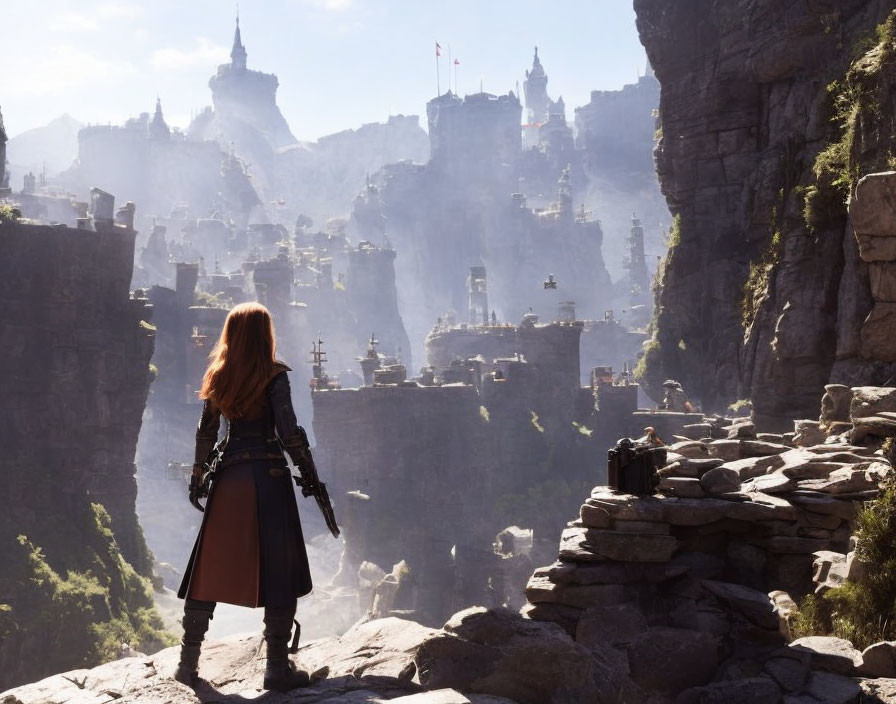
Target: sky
340, 63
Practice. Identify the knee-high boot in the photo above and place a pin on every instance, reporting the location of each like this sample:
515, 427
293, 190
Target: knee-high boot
197, 614
281, 674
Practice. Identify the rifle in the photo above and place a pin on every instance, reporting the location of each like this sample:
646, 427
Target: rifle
311, 485
200, 486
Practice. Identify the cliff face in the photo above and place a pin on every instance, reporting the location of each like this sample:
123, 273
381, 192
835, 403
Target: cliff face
764, 134
75, 352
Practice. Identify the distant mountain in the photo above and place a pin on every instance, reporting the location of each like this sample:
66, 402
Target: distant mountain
54, 145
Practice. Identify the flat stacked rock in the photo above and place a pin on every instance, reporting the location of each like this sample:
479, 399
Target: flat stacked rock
678, 582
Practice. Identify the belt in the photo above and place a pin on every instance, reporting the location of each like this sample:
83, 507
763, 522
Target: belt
246, 455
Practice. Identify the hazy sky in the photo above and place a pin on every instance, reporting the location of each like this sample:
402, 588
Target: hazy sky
341, 63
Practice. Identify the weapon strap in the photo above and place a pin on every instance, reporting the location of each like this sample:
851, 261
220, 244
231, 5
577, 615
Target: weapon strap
294, 646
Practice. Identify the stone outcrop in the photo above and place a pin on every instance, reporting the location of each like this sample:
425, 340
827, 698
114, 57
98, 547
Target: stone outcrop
479, 657
75, 349
658, 598
758, 155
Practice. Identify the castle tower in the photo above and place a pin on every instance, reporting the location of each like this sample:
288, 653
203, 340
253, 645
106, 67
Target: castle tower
636, 263
478, 296
564, 193
158, 127
535, 89
238, 52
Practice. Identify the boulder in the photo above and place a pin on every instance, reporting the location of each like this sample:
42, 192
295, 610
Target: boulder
613, 625
824, 504
871, 400
690, 449
761, 448
692, 512
830, 688
499, 653
878, 691
785, 609
686, 487
742, 430
829, 653
846, 480
750, 690
750, 467
721, 480
807, 433
588, 544
791, 674
879, 660
774, 483
594, 516
447, 696
828, 570
835, 404
696, 431
727, 450
670, 660
753, 605
878, 426
645, 527
761, 507
382, 648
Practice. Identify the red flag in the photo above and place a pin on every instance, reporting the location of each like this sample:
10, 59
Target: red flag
438, 49
456, 62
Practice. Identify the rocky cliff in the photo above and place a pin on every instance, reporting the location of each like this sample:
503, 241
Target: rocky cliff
656, 599
770, 113
75, 350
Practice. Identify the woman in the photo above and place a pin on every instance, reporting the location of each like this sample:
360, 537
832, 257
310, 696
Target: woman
250, 549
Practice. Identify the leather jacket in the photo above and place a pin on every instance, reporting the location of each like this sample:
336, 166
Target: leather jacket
277, 415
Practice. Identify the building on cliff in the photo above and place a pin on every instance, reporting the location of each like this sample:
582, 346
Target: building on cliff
145, 161
429, 470
247, 99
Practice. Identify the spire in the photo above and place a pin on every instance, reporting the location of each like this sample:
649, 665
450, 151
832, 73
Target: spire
158, 127
537, 68
238, 53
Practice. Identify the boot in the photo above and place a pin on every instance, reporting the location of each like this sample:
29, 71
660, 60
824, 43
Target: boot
281, 674
197, 614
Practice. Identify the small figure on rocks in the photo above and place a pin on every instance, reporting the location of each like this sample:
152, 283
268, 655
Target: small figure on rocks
651, 438
250, 550
674, 398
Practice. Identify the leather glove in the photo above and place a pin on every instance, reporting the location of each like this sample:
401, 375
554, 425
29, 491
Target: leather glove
196, 490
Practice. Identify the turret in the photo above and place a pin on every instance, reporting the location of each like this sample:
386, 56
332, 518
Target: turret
158, 127
238, 52
535, 89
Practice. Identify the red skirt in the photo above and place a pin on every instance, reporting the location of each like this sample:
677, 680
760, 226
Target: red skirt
250, 550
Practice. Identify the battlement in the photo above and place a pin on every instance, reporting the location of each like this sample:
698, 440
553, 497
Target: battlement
481, 126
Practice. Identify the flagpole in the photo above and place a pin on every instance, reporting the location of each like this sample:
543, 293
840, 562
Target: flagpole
438, 85
449, 68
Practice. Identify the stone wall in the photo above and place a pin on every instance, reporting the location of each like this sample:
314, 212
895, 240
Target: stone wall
688, 591
762, 290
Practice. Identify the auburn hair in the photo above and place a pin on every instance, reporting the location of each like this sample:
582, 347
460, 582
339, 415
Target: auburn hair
242, 362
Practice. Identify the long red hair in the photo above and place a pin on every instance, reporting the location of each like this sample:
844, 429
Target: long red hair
242, 361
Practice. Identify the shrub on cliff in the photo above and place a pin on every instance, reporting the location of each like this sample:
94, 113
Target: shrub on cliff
53, 622
863, 612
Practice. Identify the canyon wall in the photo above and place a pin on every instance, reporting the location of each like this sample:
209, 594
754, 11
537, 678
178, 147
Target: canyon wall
770, 113
75, 350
